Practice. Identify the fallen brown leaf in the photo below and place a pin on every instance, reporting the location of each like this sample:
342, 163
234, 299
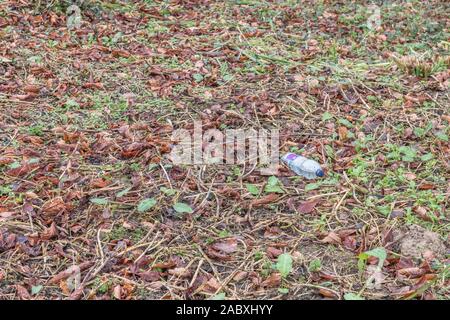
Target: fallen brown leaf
165, 265
72, 270
308, 206
54, 206
22, 292
180, 272
49, 233
99, 183
270, 198
343, 133
211, 286
327, 293
332, 238
426, 186
93, 85
422, 213
273, 252
272, 281
240, 275
149, 276
227, 246
121, 53
31, 88
117, 292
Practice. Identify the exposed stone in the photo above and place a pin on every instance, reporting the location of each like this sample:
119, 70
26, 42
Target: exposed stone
418, 243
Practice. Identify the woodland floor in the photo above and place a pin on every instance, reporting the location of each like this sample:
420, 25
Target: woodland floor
85, 130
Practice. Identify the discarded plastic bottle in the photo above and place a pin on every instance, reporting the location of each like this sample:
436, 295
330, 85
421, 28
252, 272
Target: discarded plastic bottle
302, 166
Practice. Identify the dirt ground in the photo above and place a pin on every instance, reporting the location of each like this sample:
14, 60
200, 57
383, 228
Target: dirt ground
92, 207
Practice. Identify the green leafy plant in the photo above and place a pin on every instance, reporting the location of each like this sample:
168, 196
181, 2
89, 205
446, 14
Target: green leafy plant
219, 296
426, 157
273, 185
352, 296
312, 186
326, 116
167, 191
284, 264
224, 234
252, 189
181, 207
283, 290
441, 136
315, 265
5, 190
408, 153
99, 201
146, 205
36, 289
345, 122
123, 192
36, 130
379, 253
198, 77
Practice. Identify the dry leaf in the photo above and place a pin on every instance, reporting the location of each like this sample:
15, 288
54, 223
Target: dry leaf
227, 246
121, 53
327, 293
272, 281
413, 272
272, 252
149, 276
422, 213
31, 88
180, 272
93, 85
375, 277
426, 186
211, 286
165, 265
410, 176
72, 270
270, 198
6, 214
54, 206
22, 292
240, 275
343, 133
308, 206
99, 183
49, 233
117, 292
332, 238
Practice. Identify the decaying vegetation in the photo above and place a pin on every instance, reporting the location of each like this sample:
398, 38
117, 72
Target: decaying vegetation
87, 116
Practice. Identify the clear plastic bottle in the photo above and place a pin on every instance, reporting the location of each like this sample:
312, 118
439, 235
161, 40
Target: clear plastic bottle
302, 166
